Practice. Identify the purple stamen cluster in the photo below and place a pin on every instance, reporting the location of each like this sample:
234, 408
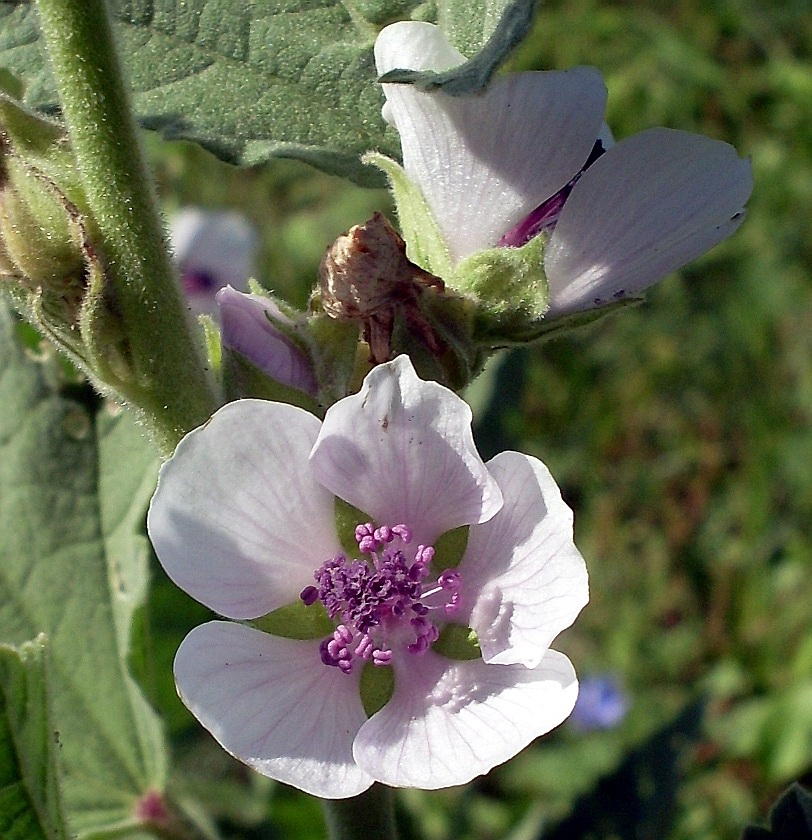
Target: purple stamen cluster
381, 600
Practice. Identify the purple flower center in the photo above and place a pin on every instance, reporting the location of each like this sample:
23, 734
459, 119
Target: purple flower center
384, 602
546, 215
197, 281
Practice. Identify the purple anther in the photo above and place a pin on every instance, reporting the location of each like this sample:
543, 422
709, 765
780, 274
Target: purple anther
309, 595
424, 554
365, 647
404, 532
454, 604
419, 645
384, 534
450, 580
382, 657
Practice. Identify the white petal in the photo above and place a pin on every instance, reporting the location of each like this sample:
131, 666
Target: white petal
484, 162
652, 203
402, 451
521, 571
451, 721
272, 704
237, 520
414, 45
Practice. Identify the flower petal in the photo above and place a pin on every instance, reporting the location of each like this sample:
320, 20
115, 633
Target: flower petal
413, 45
247, 326
522, 574
652, 203
448, 722
272, 704
402, 451
237, 520
484, 162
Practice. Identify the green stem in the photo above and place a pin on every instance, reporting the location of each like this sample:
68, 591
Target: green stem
174, 391
364, 817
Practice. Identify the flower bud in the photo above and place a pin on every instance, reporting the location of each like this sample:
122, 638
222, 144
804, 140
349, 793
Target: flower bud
261, 356
366, 277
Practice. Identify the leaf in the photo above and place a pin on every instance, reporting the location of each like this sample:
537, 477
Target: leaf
790, 818
489, 34
29, 797
74, 483
272, 78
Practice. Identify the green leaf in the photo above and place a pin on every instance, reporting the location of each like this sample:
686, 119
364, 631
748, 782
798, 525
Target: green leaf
74, 483
487, 30
29, 796
272, 78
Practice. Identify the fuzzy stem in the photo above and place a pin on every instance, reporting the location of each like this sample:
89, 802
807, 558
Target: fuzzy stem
174, 391
369, 815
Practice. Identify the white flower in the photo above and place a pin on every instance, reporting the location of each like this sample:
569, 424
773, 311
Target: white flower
213, 250
244, 520
512, 160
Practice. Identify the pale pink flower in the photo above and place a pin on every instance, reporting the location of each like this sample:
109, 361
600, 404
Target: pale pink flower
531, 155
244, 521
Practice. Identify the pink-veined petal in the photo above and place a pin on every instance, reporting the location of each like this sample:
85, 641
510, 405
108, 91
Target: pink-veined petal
237, 520
484, 162
652, 203
522, 574
448, 722
273, 704
402, 451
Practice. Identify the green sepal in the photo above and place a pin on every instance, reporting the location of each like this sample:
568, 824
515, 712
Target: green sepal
546, 328
347, 518
425, 244
376, 687
296, 621
338, 358
212, 343
458, 642
241, 378
509, 284
449, 549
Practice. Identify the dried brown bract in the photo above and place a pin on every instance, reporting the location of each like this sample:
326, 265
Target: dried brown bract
365, 276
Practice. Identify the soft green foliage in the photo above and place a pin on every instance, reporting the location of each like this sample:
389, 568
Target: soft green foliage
250, 81
75, 482
29, 797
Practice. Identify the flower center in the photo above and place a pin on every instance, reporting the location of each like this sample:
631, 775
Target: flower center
384, 602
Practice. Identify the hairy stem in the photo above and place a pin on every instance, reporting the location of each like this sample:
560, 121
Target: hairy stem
171, 388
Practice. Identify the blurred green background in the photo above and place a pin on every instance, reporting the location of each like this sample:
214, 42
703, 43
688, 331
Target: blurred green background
680, 432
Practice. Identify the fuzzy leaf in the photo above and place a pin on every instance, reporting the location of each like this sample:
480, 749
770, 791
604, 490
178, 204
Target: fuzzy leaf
74, 484
29, 797
272, 78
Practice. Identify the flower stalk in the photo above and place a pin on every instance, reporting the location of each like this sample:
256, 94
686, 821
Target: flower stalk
170, 386
370, 814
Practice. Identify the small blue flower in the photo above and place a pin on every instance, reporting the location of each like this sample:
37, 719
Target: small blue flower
602, 704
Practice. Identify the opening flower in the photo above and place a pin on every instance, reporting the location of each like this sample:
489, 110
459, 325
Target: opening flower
255, 327
384, 526
532, 156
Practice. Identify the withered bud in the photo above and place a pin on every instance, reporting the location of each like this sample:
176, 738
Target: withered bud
365, 276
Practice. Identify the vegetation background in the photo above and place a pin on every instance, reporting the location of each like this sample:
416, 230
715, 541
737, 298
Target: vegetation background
680, 432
